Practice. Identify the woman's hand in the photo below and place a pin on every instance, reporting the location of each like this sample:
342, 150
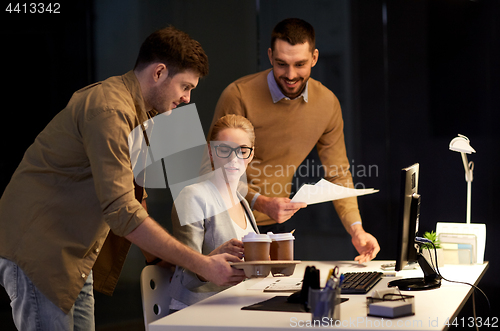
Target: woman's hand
233, 247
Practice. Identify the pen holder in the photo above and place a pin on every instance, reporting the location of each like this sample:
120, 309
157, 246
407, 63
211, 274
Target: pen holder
324, 303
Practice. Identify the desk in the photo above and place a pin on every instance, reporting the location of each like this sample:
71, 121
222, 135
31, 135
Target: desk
223, 310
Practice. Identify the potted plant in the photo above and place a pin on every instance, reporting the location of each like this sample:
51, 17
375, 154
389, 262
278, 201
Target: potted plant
428, 249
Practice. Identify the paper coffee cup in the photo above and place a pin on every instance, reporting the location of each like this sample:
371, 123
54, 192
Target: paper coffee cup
256, 247
281, 246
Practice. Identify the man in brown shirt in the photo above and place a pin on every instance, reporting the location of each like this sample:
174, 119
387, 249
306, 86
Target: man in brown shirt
292, 114
75, 183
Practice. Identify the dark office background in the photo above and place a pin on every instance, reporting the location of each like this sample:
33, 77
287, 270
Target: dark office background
410, 76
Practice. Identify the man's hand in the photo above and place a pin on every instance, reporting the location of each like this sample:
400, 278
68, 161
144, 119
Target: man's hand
279, 209
233, 247
366, 244
151, 237
219, 272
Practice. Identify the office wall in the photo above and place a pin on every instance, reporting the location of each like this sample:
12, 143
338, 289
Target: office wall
425, 75
45, 58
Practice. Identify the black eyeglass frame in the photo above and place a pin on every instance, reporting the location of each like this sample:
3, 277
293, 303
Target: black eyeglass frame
235, 150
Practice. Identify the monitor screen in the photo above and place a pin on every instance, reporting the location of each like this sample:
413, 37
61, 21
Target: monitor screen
408, 217
407, 248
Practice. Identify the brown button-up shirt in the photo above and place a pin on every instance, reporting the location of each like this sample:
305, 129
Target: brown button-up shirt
74, 184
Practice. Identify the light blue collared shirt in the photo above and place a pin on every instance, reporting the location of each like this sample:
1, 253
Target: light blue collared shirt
276, 93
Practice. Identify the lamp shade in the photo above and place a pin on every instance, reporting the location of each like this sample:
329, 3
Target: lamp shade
461, 144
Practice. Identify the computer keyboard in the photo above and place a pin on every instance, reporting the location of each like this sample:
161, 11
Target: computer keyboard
360, 282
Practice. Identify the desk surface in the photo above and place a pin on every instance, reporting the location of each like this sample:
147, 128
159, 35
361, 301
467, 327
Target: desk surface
223, 311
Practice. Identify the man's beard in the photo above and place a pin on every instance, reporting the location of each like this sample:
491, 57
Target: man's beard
282, 85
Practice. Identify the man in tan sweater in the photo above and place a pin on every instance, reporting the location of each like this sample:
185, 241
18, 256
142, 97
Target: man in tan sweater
292, 113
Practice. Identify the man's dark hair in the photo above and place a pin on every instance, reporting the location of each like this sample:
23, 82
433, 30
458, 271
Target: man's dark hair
294, 31
176, 49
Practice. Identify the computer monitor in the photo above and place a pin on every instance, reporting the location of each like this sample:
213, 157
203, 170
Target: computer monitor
408, 217
407, 248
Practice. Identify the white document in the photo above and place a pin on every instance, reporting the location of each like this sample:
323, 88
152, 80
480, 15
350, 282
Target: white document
277, 284
323, 191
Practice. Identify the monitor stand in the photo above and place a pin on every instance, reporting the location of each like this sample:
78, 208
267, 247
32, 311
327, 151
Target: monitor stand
431, 279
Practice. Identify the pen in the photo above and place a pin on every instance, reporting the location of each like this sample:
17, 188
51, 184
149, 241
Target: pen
341, 279
330, 273
330, 283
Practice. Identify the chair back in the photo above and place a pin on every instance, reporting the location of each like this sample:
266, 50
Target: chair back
155, 300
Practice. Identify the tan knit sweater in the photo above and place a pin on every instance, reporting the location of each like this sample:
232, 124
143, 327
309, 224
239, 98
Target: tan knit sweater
286, 132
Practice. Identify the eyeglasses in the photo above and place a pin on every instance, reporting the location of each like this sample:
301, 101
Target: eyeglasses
224, 151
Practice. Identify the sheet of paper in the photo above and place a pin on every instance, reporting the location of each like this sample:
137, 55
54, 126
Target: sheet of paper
323, 191
284, 285
280, 284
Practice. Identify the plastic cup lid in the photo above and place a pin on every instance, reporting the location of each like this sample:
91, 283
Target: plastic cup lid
281, 236
254, 237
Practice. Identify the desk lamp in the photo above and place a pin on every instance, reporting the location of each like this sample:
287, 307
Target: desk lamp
462, 144
473, 235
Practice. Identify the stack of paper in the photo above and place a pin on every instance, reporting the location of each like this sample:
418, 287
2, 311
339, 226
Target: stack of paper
325, 191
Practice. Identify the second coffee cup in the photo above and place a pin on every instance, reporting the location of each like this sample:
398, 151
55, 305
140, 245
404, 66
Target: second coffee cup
256, 246
281, 246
